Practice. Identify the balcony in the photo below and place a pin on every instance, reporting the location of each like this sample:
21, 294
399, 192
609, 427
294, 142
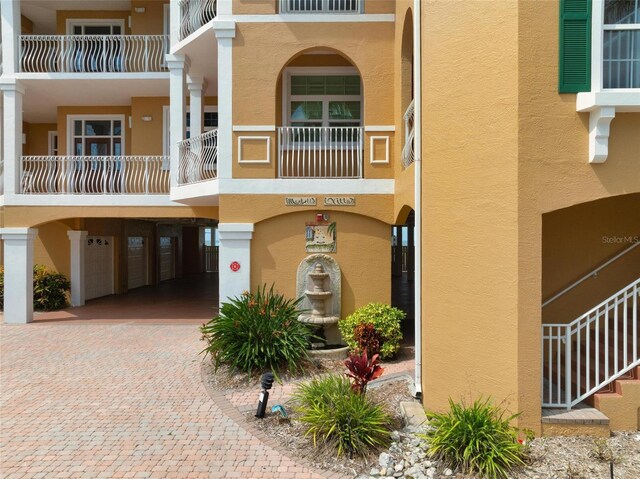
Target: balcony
321, 6
95, 175
93, 53
195, 14
320, 152
198, 158
408, 150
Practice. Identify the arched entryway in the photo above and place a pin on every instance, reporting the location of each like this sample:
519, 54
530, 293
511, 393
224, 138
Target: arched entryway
403, 272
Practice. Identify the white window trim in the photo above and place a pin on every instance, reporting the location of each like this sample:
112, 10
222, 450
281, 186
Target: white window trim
50, 135
71, 136
319, 71
601, 103
597, 48
166, 147
75, 22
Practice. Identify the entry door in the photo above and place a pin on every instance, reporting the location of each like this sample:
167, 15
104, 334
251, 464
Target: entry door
167, 258
98, 266
136, 262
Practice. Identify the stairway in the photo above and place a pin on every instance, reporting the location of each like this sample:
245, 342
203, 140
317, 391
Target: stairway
595, 361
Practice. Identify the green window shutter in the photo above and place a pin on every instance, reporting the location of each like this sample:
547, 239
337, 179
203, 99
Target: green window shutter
575, 46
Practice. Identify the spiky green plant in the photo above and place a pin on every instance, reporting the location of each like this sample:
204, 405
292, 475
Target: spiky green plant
338, 417
478, 439
257, 332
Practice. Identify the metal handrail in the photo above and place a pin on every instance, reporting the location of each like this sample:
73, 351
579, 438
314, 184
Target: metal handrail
592, 273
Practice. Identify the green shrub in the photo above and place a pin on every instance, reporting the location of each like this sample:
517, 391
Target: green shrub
340, 418
386, 321
479, 439
50, 289
258, 332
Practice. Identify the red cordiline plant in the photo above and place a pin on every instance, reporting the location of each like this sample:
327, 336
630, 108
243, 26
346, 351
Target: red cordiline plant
368, 338
362, 370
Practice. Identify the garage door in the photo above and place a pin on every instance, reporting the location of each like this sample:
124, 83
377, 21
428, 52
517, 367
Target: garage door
98, 266
136, 262
167, 258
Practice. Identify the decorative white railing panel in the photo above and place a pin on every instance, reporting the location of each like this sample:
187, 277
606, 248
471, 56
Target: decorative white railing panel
97, 175
194, 14
320, 152
408, 152
198, 160
93, 53
584, 356
321, 6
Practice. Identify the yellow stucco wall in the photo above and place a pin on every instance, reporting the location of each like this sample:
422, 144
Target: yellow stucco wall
28, 216
578, 239
501, 147
63, 15
149, 22
37, 138
470, 206
278, 247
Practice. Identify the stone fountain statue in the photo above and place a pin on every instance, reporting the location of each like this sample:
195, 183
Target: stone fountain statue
319, 281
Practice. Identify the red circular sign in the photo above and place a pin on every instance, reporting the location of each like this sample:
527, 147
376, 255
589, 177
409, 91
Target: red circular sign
235, 266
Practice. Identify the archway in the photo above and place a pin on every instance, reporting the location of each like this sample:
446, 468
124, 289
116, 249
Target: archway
403, 271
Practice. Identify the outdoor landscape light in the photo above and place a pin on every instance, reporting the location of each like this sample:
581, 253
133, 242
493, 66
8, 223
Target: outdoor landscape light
266, 382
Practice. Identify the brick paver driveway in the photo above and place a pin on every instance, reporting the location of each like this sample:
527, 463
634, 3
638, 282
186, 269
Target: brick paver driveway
119, 399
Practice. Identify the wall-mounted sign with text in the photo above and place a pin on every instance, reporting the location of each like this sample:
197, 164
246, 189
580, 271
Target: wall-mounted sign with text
300, 201
340, 201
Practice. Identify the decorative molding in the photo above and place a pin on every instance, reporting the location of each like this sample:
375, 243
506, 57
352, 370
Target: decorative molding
263, 138
254, 128
599, 123
372, 140
380, 128
317, 18
224, 28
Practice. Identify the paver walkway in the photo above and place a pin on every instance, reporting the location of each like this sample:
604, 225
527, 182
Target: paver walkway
119, 399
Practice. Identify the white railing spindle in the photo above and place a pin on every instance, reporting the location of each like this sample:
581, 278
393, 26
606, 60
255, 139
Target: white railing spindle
321, 6
320, 152
580, 352
101, 175
198, 158
92, 53
194, 14
408, 153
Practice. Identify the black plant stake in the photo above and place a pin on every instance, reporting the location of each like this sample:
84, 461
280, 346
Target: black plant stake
611, 468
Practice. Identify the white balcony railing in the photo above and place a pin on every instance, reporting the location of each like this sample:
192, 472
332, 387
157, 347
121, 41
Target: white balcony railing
93, 53
194, 14
99, 175
321, 6
320, 152
589, 353
408, 150
198, 158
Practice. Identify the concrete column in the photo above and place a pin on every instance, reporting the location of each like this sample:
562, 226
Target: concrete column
196, 86
77, 239
235, 259
12, 148
225, 33
18, 274
178, 66
11, 26
175, 14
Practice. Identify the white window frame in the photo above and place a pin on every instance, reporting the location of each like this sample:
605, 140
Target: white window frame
94, 22
166, 147
51, 149
318, 71
70, 132
597, 48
